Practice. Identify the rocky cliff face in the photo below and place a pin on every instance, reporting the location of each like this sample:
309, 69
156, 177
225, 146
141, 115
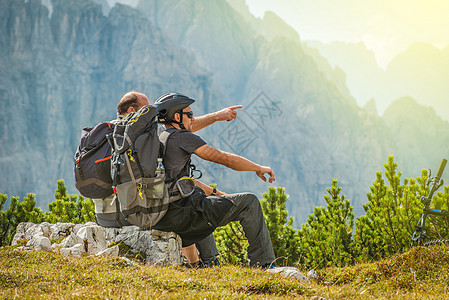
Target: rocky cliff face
66, 71
62, 73
308, 128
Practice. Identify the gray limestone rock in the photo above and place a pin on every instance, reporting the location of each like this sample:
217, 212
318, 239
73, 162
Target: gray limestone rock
164, 248
160, 248
76, 250
156, 247
94, 237
41, 243
60, 230
42, 229
26, 231
20, 232
71, 240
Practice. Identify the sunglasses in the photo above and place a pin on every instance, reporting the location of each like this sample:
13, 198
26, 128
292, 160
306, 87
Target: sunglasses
189, 114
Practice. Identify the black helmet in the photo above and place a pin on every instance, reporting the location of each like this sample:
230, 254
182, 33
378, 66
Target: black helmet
169, 104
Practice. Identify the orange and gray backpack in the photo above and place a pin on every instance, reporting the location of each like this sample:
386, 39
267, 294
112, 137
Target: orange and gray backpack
121, 158
93, 161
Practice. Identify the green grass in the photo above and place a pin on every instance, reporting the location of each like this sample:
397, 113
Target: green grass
48, 275
422, 273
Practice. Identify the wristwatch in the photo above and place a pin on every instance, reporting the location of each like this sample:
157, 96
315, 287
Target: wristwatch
214, 192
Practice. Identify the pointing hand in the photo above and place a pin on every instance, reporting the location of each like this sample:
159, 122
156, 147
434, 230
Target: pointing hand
227, 114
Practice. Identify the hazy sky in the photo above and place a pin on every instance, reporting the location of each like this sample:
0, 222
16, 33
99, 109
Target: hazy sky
386, 26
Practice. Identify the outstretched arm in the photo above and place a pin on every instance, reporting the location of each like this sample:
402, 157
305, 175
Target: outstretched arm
233, 161
226, 114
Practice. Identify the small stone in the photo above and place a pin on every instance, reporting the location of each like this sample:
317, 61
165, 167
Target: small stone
312, 274
109, 252
24, 248
291, 272
127, 261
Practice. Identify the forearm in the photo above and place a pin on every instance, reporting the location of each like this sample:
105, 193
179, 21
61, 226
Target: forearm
230, 160
204, 121
207, 189
239, 163
233, 161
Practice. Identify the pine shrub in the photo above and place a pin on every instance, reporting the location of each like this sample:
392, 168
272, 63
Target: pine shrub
69, 208
284, 237
326, 237
25, 211
391, 214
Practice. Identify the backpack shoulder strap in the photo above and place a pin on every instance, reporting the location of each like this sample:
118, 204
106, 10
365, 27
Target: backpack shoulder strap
163, 138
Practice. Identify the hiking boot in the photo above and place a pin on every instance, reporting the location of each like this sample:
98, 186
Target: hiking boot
197, 265
210, 263
205, 264
269, 266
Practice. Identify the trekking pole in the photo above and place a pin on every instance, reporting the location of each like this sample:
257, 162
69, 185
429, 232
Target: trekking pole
437, 183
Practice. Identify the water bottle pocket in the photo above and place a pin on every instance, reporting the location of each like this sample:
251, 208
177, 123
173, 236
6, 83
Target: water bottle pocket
185, 186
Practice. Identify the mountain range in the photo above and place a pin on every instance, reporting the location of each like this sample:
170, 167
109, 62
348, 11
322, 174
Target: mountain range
421, 72
65, 66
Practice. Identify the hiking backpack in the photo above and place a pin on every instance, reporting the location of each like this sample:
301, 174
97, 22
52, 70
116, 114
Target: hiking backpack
142, 194
92, 161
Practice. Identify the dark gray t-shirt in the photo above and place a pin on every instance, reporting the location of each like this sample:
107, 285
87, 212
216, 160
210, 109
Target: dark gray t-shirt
180, 146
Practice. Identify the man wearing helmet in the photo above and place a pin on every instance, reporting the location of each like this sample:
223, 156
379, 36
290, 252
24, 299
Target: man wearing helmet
195, 217
132, 102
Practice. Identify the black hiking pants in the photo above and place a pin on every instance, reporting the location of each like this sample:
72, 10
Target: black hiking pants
247, 210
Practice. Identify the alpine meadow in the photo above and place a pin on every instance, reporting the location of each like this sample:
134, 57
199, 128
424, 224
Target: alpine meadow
351, 142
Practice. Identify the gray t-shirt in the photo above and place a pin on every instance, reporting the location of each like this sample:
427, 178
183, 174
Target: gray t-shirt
179, 148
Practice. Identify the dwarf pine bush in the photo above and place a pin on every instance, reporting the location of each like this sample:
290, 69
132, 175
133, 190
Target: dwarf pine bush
25, 211
284, 237
391, 214
326, 237
69, 208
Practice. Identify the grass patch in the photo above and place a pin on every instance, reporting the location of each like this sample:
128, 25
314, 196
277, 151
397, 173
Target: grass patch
48, 275
422, 273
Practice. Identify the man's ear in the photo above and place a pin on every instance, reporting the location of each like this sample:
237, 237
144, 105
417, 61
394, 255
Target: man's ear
130, 110
177, 117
